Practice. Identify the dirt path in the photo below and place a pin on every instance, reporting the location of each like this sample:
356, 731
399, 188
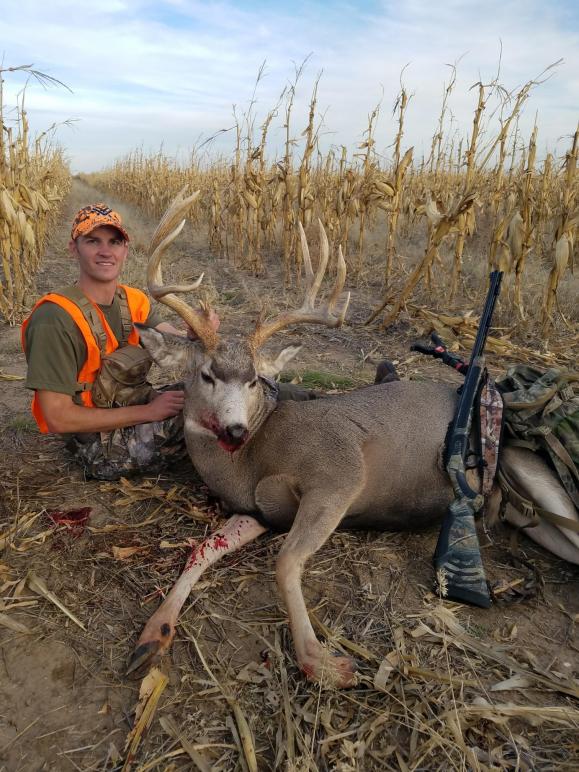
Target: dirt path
64, 700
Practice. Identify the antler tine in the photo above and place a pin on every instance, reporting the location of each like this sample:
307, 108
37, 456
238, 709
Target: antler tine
313, 284
307, 313
154, 276
165, 233
339, 286
172, 216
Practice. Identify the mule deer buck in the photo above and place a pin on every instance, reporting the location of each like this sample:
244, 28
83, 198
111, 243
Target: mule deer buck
368, 459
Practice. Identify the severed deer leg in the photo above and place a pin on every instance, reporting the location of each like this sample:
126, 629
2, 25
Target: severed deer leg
159, 631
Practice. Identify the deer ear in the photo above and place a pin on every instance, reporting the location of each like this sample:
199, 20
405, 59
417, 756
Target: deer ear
271, 368
167, 350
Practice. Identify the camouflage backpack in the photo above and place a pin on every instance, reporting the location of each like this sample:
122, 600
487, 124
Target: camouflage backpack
542, 414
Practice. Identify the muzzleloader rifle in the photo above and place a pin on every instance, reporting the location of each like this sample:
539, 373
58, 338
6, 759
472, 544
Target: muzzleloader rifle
459, 570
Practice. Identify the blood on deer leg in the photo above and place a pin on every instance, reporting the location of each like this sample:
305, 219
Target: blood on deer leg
314, 523
159, 631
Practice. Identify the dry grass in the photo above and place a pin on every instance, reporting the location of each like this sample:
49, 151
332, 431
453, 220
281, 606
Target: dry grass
441, 685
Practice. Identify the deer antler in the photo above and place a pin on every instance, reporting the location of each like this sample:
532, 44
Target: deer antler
308, 314
166, 232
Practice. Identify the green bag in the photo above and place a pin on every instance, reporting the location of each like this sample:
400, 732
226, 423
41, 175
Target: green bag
542, 413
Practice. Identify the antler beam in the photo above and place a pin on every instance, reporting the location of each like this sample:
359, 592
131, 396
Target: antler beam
308, 313
167, 231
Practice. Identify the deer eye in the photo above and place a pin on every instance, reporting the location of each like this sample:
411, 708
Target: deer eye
207, 378
253, 384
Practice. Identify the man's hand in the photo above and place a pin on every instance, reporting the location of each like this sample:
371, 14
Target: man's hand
166, 404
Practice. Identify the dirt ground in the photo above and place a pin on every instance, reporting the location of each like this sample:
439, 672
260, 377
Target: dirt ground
434, 690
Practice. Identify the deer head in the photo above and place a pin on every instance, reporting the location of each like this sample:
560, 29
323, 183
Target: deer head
227, 398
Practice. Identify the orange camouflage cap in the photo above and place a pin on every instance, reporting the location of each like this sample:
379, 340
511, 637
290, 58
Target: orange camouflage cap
93, 216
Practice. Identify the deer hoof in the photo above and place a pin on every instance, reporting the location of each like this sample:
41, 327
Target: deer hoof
145, 655
332, 672
155, 641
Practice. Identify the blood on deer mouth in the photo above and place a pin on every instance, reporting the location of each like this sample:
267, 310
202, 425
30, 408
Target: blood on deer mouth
224, 439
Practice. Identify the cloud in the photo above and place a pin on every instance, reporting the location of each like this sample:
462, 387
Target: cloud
166, 72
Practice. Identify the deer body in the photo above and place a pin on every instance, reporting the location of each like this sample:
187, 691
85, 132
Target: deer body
372, 441
367, 459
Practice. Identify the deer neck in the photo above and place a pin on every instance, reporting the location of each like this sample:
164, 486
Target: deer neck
266, 405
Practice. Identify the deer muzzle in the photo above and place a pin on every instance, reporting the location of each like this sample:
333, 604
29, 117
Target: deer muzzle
236, 432
233, 437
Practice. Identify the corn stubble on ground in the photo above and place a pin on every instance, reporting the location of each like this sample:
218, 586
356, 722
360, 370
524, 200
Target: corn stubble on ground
441, 686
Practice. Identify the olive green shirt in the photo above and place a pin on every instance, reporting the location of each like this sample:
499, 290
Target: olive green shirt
55, 347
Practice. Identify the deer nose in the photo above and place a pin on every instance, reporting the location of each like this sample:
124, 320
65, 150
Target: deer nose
236, 433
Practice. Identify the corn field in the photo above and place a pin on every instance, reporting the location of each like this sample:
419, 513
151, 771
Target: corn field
524, 213
34, 179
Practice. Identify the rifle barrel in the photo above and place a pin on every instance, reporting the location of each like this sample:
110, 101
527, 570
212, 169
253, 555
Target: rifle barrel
487, 314
464, 409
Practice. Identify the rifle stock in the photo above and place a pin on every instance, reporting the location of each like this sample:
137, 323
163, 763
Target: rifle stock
459, 570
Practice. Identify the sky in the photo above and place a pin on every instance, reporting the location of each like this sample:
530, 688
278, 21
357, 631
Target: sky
165, 74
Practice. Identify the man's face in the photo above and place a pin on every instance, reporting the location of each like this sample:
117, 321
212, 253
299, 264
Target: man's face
101, 254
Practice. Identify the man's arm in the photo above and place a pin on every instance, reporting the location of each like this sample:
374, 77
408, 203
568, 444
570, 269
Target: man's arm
63, 416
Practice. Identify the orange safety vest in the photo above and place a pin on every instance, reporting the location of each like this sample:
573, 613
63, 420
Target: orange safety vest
139, 307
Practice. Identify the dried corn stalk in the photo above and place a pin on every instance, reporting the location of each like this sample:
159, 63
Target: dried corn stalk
565, 234
34, 179
251, 202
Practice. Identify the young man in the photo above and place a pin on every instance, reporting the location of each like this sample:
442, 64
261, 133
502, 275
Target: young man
64, 357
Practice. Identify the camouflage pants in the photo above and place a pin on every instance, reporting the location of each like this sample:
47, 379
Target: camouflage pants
145, 448
129, 451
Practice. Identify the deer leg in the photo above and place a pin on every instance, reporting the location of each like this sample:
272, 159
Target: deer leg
159, 631
318, 516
